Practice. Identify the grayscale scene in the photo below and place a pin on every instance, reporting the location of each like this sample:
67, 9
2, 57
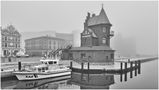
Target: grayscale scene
79, 45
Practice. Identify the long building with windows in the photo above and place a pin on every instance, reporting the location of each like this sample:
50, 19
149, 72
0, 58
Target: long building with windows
40, 45
10, 41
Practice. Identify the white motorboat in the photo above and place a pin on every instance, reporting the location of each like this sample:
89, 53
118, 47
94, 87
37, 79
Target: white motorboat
48, 69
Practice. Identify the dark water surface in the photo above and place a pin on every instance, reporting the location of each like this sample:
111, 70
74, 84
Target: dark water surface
147, 79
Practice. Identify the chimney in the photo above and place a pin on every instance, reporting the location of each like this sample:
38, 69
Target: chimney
88, 15
93, 15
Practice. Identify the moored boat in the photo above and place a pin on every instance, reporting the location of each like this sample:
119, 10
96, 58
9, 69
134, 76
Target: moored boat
48, 69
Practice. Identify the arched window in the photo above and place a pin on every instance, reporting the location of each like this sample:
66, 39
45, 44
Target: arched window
104, 40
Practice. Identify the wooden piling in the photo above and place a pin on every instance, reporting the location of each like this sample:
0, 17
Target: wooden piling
88, 66
131, 66
121, 77
126, 66
82, 66
71, 65
121, 66
19, 66
125, 76
135, 68
139, 66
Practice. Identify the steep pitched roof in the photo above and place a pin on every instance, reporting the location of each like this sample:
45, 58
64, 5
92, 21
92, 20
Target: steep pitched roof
100, 19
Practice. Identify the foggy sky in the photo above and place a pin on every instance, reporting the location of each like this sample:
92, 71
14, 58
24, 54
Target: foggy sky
135, 19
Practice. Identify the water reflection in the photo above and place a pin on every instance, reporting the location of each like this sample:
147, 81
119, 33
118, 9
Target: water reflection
80, 79
51, 83
92, 81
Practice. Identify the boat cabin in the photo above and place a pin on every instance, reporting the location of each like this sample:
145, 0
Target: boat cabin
41, 68
50, 61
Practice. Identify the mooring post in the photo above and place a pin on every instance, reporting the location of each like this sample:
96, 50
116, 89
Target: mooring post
19, 66
139, 66
82, 66
88, 66
131, 66
126, 66
125, 76
121, 66
71, 65
121, 77
135, 68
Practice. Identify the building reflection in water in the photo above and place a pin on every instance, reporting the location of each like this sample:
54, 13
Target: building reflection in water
92, 81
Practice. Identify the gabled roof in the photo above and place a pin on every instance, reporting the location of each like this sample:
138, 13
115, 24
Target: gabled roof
100, 19
92, 48
10, 29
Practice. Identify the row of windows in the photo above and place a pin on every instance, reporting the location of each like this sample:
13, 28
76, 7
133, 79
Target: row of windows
5, 38
10, 45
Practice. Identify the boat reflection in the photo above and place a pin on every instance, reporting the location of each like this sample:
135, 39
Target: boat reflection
50, 83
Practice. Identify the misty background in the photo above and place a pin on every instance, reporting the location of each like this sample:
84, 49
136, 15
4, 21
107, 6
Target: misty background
135, 22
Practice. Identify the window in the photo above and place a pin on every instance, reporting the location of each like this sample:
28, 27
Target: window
5, 44
51, 62
83, 55
16, 45
104, 29
103, 40
106, 57
39, 69
5, 38
112, 56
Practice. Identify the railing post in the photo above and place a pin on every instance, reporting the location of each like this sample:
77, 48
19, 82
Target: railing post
19, 66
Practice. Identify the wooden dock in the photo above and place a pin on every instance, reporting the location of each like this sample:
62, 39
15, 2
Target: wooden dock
93, 69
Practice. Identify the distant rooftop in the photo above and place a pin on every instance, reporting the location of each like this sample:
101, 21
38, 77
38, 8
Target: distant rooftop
10, 29
45, 37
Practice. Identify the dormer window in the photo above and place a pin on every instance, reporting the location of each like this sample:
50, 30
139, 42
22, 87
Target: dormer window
104, 29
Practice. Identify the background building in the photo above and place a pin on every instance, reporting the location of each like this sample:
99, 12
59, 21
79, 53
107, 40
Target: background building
40, 45
95, 40
68, 37
11, 40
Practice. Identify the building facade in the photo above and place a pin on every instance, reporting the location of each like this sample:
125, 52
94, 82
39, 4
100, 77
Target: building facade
40, 45
95, 40
11, 41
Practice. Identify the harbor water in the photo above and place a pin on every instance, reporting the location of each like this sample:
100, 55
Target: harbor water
146, 79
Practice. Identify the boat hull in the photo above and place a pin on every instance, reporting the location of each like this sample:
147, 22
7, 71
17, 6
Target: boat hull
36, 76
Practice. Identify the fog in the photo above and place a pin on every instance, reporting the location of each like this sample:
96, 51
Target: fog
135, 21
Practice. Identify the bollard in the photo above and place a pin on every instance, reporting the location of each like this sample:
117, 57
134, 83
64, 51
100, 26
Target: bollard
19, 66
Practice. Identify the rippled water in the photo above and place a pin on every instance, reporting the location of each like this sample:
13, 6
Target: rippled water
147, 79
